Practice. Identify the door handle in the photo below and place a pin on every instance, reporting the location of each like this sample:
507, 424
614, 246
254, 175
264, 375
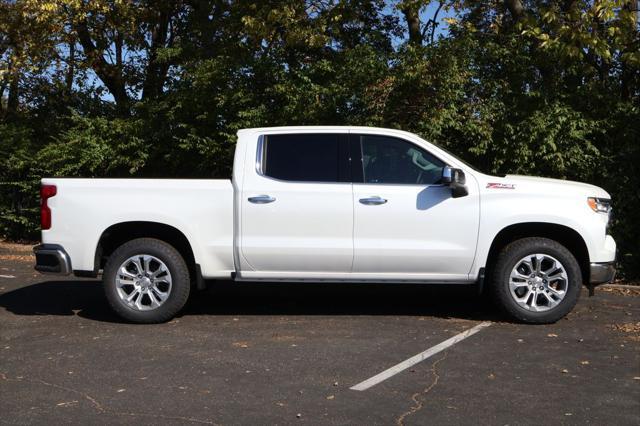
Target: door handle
373, 201
261, 199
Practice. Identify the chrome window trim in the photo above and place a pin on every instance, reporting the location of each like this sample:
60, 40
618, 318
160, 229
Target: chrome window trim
260, 163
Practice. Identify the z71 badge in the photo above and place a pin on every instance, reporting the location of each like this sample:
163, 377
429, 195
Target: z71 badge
501, 186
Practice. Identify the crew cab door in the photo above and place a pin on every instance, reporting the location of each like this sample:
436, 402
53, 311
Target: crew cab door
296, 207
406, 223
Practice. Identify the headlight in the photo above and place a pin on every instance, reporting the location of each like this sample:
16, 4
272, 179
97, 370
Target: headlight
599, 205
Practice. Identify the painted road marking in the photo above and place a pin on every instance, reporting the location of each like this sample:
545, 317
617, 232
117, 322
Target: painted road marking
7, 276
390, 372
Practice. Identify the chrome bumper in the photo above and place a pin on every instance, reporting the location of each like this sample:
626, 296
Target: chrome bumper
52, 259
602, 273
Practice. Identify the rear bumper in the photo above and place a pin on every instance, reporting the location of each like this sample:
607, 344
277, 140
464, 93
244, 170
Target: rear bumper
602, 273
52, 259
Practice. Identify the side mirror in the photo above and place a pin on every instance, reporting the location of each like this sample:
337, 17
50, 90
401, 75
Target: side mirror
456, 180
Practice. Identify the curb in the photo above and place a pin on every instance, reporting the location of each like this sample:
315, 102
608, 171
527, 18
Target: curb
622, 286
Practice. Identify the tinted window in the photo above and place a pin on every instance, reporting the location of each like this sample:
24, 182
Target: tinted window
392, 160
305, 157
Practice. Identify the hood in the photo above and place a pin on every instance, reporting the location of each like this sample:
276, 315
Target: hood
536, 184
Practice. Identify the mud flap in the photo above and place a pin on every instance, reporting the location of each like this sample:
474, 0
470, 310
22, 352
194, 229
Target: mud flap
480, 282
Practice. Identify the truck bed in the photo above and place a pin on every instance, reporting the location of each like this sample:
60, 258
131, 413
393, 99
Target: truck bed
201, 209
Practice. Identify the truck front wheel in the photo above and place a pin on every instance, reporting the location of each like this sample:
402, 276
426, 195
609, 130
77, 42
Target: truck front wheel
536, 280
146, 281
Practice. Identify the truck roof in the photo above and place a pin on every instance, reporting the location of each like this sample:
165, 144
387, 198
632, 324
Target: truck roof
322, 129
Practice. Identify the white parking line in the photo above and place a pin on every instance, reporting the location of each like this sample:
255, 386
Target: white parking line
390, 372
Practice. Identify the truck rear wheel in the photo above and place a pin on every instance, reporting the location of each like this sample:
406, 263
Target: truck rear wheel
536, 280
146, 281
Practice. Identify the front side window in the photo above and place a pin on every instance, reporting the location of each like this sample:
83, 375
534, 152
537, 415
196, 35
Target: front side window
305, 157
395, 161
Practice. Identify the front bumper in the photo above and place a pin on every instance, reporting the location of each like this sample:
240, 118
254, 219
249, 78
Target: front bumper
52, 259
602, 273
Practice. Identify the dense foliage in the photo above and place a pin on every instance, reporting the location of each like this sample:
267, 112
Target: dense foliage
159, 88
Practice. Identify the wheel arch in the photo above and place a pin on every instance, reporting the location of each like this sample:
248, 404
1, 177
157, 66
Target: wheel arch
117, 234
564, 235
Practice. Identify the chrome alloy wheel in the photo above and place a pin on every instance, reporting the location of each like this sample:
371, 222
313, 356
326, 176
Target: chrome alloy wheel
143, 282
538, 282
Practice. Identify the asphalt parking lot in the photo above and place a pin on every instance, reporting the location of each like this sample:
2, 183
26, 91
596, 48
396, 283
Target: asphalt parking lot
289, 354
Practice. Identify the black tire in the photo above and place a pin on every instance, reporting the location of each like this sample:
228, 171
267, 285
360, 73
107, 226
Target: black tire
506, 262
180, 286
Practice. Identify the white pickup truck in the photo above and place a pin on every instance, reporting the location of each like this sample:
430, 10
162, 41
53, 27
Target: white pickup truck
331, 204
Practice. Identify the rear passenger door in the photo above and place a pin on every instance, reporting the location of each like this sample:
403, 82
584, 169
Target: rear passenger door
297, 208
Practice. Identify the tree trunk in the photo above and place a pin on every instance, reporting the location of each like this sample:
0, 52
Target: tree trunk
432, 24
70, 68
111, 75
412, 16
14, 88
156, 73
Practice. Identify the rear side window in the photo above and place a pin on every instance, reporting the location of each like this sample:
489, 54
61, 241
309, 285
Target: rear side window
306, 157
